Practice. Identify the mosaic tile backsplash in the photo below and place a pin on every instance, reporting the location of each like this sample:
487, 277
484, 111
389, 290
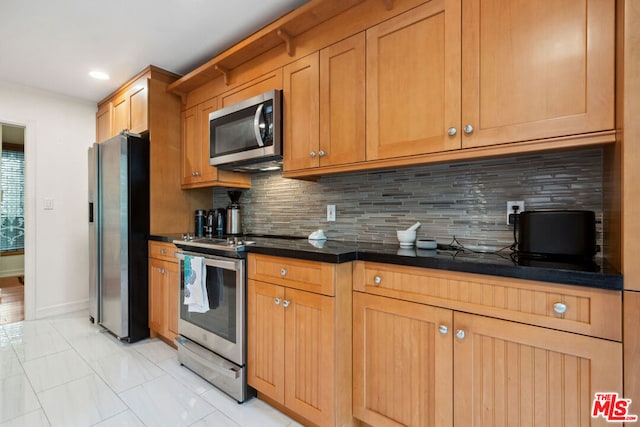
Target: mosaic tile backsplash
462, 199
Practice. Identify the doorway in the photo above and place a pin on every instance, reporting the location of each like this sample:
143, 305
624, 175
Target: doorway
12, 223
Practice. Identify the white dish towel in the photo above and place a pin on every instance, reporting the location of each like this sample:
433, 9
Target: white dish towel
195, 284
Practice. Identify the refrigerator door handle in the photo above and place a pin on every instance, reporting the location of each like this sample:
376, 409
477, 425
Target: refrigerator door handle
90, 211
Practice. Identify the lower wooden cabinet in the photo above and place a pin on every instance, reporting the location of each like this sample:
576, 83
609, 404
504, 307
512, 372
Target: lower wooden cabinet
164, 288
418, 364
299, 342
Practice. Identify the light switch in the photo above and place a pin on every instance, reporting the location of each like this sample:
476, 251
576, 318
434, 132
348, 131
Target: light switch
48, 203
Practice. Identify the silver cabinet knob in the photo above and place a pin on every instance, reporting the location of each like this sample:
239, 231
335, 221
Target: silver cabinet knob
443, 329
468, 129
377, 280
283, 272
193, 174
560, 308
312, 154
277, 301
452, 131
286, 303
460, 334
321, 153
163, 251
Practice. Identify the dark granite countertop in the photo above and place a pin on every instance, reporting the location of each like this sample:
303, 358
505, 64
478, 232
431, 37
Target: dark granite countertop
597, 274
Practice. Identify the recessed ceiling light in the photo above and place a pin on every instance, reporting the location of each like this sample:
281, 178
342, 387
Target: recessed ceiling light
99, 75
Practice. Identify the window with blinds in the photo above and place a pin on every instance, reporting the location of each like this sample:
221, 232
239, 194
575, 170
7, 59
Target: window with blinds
12, 206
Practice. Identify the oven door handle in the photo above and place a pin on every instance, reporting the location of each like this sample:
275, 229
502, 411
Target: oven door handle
212, 262
231, 372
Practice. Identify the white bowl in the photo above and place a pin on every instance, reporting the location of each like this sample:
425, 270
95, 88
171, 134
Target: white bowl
427, 244
406, 238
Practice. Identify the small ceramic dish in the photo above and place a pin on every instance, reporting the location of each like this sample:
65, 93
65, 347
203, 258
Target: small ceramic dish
427, 244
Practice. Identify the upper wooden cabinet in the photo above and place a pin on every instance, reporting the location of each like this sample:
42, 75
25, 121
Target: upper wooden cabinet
334, 133
196, 171
262, 84
129, 107
413, 75
533, 70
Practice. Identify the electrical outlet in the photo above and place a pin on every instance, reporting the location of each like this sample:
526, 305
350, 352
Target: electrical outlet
331, 212
510, 205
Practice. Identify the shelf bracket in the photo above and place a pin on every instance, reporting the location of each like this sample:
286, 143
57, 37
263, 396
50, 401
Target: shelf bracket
225, 72
388, 4
288, 41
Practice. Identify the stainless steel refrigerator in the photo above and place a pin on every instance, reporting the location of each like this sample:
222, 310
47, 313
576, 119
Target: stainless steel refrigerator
118, 234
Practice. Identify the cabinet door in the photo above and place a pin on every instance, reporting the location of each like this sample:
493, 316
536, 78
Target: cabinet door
206, 171
157, 299
507, 373
342, 94
103, 122
536, 69
301, 114
413, 82
265, 339
269, 81
309, 355
172, 276
190, 145
139, 106
402, 373
120, 115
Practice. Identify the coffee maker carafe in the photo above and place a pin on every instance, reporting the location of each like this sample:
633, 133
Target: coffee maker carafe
234, 224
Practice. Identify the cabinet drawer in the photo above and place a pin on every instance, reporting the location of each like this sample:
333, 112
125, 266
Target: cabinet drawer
162, 250
588, 311
310, 276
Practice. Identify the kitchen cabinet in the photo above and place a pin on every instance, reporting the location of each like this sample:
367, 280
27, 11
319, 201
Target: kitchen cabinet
299, 336
164, 288
301, 136
444, 348
340, 91
533, 70
262, 84
196, 171
528, 71
127, 109
144, 105
413, 82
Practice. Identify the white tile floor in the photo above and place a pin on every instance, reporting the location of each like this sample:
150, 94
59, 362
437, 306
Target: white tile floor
64, 371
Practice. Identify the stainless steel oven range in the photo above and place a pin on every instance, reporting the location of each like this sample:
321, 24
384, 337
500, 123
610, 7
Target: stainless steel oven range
212, 340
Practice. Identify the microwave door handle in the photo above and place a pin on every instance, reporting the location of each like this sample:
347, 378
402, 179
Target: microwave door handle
256, 125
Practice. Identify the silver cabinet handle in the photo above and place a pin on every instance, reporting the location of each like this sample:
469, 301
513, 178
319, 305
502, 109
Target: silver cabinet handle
283, 272
560, 308
162, 270
468, 129
286, 303
452, 131
163, 251
277, 301
443, 329
312, 154
193, 174
460, 334
377, 280
321, 153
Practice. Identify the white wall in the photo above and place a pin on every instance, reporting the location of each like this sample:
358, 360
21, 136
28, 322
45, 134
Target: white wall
58, 132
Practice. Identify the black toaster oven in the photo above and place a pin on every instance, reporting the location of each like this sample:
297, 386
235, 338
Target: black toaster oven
558, 234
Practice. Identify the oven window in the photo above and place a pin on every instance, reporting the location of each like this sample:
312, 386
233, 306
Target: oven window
221, 289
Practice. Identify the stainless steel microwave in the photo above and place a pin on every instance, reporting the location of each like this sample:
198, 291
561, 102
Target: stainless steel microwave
247, 135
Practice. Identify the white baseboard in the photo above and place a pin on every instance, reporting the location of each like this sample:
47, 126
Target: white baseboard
56, 310
9, 273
